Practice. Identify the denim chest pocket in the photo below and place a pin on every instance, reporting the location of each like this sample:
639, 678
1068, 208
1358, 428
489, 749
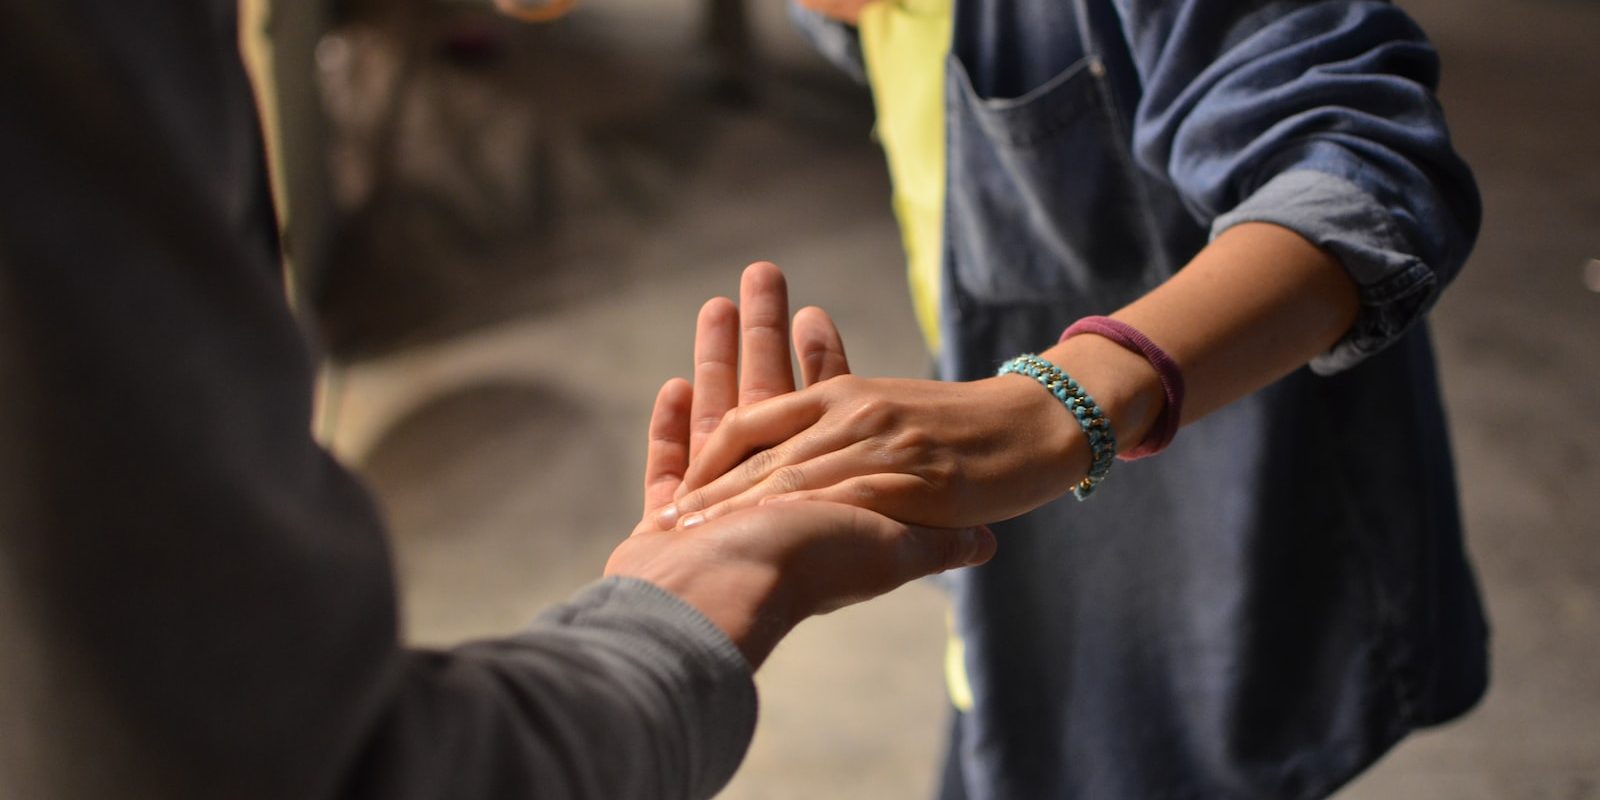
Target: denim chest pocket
1042, 204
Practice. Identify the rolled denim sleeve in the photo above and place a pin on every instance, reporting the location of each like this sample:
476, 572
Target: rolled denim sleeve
1319, 117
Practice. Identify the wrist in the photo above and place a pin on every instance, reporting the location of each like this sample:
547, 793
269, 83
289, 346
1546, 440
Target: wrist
742, 599
742, 606
1057, 452
1125, 386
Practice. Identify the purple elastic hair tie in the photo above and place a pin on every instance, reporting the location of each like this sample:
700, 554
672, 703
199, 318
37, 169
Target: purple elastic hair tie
1166, 426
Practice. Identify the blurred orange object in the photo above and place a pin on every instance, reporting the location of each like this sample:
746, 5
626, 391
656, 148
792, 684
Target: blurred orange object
535, 10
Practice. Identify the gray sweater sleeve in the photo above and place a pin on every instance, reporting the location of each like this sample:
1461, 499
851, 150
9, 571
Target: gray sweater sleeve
195, 600
563, 702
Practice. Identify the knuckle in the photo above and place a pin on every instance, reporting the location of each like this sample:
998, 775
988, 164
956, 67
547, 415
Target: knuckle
759, 464
870, 413
759, 393
907, 449
863, 493
838, 389
693, 501
883, 455
707, 421
766, 324
940, 475
808, 495
914, 444
788, 479
918, 452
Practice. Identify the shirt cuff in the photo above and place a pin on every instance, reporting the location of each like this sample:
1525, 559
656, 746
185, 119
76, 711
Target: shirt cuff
1396, 288
717, 683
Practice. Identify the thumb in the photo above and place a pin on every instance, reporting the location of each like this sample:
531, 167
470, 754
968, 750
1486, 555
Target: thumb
929, 551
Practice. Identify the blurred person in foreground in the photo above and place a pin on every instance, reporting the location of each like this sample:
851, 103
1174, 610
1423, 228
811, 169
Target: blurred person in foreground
197, 601
1225, 216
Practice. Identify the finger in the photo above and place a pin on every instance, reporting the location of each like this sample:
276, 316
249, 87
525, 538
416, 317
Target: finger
887, 554
819, 346
667, 452
788, 470
763, 334
750, 429
930, 551
716, 370
896, 495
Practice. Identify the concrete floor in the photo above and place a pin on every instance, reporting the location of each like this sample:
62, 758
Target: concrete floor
497, 370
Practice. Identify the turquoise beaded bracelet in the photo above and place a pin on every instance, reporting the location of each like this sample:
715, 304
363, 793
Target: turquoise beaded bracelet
1102, 442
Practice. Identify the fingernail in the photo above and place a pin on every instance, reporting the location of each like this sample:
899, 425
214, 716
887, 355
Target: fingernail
693, 520
668, 516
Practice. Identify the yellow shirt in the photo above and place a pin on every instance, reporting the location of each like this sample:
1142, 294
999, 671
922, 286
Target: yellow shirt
904, 44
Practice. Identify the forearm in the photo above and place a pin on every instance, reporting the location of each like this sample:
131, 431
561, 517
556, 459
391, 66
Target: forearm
624, 691
1256, 304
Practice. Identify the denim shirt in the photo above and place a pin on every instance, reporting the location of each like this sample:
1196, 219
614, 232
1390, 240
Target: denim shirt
1273, 602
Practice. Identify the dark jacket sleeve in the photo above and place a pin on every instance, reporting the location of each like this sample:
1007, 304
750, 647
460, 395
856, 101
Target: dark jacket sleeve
197, 600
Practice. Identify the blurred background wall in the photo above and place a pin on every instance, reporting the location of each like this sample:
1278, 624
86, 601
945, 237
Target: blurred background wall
502, 232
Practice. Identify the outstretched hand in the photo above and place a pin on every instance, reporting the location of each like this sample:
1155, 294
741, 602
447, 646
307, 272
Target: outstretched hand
755, 334
758, 572
925, 452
